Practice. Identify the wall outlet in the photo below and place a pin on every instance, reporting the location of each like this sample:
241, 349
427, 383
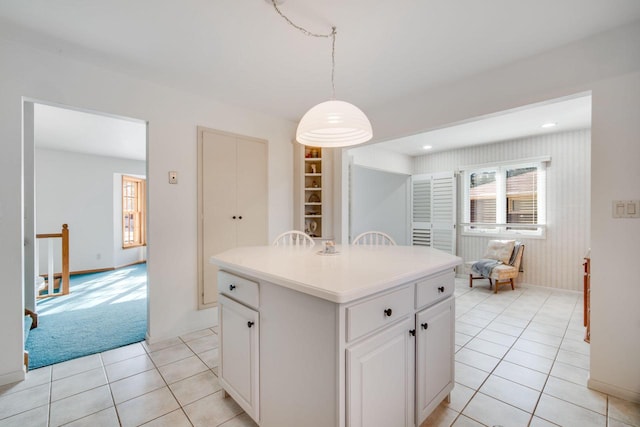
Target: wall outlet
173, 177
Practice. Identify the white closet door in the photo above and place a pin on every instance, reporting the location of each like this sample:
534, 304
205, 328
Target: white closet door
252, 193
434, 211
232, 200
218, 205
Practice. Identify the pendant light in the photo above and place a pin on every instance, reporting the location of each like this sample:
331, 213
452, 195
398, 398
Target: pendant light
332, 123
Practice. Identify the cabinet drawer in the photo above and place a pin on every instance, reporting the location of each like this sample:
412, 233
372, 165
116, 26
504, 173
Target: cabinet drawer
435, 288
239, 288
377, 312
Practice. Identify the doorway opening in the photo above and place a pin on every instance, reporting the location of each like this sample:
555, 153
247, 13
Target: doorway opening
79, 169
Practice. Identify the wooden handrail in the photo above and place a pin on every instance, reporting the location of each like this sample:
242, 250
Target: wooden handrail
48, 236
64, 235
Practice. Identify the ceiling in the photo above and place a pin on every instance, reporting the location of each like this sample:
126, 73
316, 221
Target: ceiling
63, 129
241, 52
557, 116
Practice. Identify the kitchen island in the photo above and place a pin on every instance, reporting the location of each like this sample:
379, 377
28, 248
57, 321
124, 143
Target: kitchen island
363, 337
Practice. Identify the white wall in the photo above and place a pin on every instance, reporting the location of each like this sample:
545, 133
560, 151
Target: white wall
379, 201
556, 260
78, 190
379, 158
615, 243
173, 117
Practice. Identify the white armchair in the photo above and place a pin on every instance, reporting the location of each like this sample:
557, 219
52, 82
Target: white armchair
501, 263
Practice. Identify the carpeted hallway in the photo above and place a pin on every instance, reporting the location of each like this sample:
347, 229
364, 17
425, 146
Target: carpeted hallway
103, 311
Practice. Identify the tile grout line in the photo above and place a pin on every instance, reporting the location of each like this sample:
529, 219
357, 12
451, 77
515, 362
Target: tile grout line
503, 356
550, 369
576, 304
564, 337
494, 368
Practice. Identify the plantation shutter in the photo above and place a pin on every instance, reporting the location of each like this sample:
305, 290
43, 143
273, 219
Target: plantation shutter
434, 211
421, 212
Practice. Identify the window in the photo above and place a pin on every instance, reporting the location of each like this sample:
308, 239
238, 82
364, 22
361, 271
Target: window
133, 212
505, 199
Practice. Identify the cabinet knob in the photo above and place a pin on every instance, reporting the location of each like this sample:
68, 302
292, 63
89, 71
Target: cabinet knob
233, 217
240, 217
249, 324
424, 325
412, 332
388, 312
441, 289
232, 287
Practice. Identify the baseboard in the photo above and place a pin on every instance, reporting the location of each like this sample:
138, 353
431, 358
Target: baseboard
613, 390
12, 377
95, 270
530, 285
144, 261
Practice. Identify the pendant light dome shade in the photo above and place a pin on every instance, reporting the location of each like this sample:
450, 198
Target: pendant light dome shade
334, 124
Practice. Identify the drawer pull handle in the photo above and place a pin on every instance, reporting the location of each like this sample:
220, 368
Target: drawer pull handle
249, 324
388, 312
424, 325
232, 287
412, 332
441, 289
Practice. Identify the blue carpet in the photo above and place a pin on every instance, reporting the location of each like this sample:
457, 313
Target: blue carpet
103, 311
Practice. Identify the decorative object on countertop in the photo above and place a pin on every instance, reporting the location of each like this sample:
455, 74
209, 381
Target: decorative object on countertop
329, 247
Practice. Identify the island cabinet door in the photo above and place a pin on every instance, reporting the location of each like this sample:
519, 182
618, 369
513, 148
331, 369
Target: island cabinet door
380, 379
239, 354
434, 356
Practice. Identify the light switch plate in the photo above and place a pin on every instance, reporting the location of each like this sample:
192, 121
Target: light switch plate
173, 177
626, 208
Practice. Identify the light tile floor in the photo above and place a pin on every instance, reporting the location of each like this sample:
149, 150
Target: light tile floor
520, 361
172, 383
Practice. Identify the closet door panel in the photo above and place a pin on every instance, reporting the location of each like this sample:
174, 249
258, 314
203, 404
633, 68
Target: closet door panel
218, 205
252, 192
232, 201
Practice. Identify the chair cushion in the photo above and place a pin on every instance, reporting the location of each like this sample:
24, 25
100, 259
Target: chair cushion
500, 250
503, 272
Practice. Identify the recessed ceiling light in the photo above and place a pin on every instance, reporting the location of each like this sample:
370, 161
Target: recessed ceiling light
427, 147
549, 125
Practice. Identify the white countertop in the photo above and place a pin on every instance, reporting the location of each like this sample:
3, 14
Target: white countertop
354, 272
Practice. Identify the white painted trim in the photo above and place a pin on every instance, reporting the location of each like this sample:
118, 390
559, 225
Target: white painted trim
514, 162
612, 390
12, 377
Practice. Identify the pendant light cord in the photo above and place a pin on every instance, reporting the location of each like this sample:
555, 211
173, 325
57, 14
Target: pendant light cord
306, 32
